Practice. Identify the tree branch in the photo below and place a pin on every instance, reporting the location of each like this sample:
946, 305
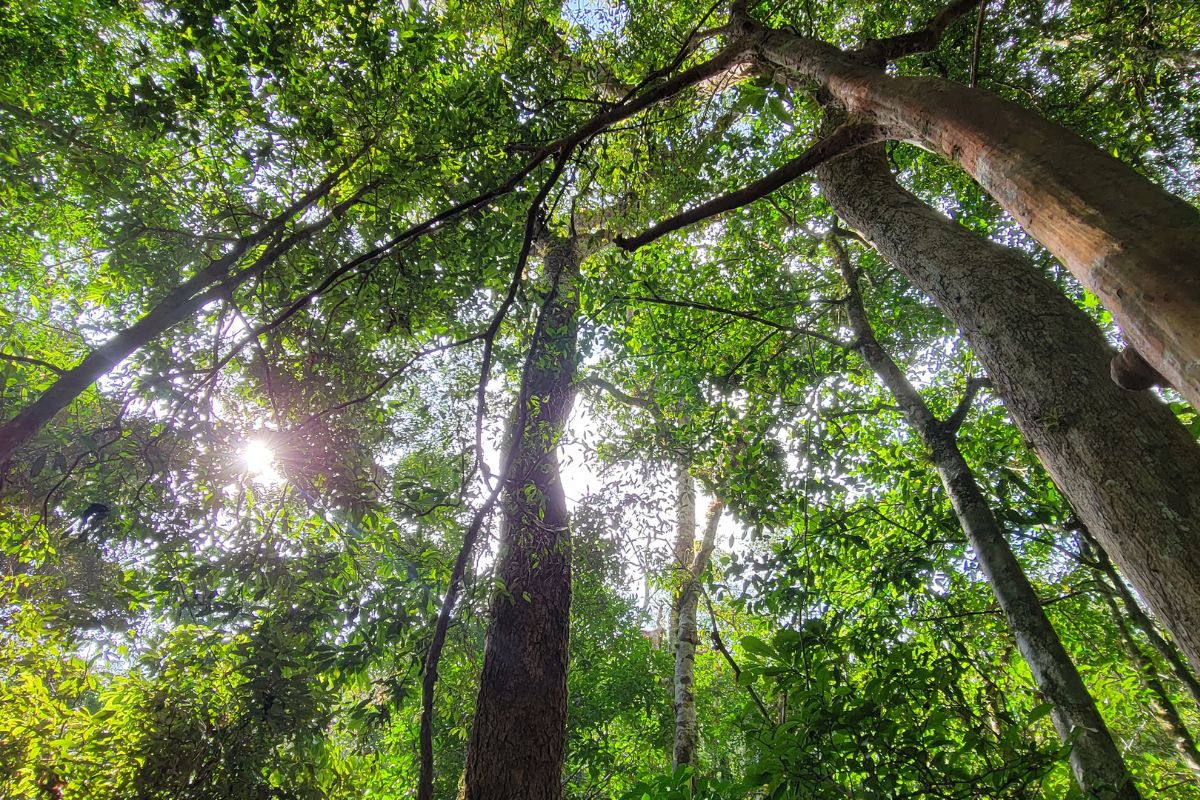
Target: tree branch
618, 393
37, 362
956, 418
881, 51
729, 659
977, 43
733, 312
848, 137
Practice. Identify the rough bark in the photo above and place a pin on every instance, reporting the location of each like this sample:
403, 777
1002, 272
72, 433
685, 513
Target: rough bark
688, 636
1095, 761
517, 741
1127, 466
1136, 246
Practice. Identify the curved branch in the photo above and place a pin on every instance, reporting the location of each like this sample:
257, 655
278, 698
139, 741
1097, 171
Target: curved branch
848, 137
880, 51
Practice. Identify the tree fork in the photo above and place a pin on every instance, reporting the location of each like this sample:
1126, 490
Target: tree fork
1136, 246
1095, 761
1122, 459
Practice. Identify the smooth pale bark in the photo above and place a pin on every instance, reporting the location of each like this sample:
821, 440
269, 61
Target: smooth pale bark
685, 542
1133, 244
687, 635
1129, 469
1095, 761
517, 741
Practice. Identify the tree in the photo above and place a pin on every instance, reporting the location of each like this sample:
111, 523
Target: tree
1095, 760
518, 735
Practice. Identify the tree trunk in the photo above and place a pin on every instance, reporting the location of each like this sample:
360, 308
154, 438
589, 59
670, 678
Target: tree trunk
1127, 466
688, 636
1135, 614
685, 543
1095, 761
1133, 244
1161, 705
517, 741
181, 302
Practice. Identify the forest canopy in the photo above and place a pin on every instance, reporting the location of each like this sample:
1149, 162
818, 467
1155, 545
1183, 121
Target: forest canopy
631, 399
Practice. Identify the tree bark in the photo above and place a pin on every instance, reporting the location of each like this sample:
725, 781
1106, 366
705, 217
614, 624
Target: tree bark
1136, 246
1095, 761
688, 636
1127, 466
685, 543
517, 741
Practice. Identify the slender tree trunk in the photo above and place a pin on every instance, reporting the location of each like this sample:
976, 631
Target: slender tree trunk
181, 302
1133, 611
685, 543
1161, 705
1133, 244
1095, 761
688, 636
517, 741
1127, 466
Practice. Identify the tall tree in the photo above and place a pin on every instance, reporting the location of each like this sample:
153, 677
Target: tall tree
1095, 761
1125, 463
518, 734
1126, 239
689, 579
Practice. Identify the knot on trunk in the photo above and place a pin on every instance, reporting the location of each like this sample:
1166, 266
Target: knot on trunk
1132, 372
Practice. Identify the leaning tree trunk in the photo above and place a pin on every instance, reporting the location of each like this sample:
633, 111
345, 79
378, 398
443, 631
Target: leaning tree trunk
1095, 761
517, 741
1161, 705
1127, 466
183, 301
1168, 651
687, 635
1133, 244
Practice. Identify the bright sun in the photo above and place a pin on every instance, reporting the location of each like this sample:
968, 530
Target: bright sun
259, 459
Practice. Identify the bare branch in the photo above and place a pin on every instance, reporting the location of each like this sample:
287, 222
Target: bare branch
956, 418
37, 362
843, 140
729, 659
880, 51
733, 312
977, 43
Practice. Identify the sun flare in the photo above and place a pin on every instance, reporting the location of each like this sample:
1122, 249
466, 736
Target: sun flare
259, 460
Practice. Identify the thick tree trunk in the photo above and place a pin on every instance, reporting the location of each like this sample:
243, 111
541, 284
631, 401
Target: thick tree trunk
1133, 244
517, 741
688, 636
1095, 761
1127, 466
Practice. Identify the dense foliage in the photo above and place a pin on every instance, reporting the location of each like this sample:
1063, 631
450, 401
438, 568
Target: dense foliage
222, 562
